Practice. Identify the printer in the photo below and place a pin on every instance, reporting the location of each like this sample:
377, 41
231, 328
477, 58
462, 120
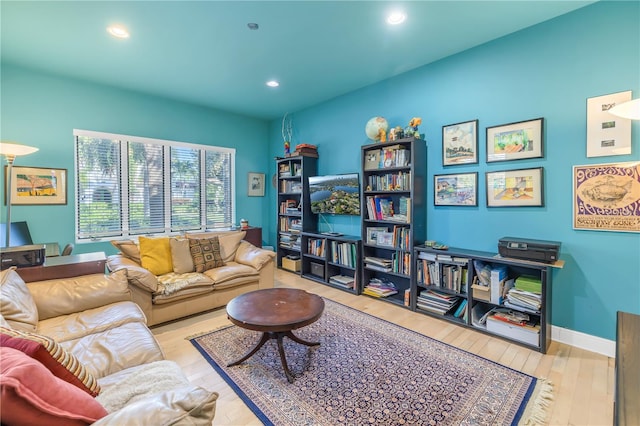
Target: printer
528, 249
21, 256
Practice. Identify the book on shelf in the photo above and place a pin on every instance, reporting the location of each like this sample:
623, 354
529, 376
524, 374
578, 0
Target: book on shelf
379, 287
497, 281
343, 281
372, 159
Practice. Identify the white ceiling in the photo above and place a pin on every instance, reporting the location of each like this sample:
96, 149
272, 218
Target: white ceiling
202, 52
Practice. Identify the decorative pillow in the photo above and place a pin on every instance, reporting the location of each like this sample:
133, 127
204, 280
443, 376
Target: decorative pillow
155, 255
181, 256
229, 241
31, 395
128, 248
250, 255
16, 304
47, 351
205, 253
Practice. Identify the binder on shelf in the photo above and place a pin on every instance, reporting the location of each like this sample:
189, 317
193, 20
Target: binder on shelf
498, 277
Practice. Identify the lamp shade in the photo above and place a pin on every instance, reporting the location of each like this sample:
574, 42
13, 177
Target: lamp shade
629, 109
12, 149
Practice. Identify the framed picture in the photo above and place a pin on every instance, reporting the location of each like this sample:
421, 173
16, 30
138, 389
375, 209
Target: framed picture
36, 186
606, 133
256, 184
460, 143
515, 188
606, 197
455, 189
515, 141
372, 234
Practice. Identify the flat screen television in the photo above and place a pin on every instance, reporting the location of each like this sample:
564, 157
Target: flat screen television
335, 194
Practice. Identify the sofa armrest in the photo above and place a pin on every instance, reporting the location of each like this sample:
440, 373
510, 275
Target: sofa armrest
250, 255
136, 274
65, 296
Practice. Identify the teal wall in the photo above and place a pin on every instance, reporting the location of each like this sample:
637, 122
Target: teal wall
42, 110
549, 71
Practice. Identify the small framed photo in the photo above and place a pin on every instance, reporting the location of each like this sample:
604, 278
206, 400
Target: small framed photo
372, 234
36, 186
606, 133
515, 188
460, 143
256, 184
455, 189
515, 141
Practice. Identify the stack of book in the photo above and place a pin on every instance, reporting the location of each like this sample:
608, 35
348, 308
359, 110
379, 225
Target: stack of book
305, 150
515, 325
526, 294
378, 263
343, 281
380, 287
436, 302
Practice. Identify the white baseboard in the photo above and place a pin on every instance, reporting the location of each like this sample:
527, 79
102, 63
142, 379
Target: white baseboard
584, 341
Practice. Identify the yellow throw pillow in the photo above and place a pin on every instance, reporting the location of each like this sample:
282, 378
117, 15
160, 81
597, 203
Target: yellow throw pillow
155, 255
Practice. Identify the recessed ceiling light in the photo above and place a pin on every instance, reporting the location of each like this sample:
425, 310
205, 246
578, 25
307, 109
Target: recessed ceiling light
253, 26
273, 83
118, 31
396, 18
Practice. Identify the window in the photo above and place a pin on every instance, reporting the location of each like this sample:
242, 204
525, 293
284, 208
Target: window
128, 186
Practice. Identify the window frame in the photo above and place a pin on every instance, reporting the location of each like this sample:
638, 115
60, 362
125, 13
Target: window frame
123, 168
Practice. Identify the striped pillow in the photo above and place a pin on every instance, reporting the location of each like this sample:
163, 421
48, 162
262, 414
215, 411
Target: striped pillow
53, 356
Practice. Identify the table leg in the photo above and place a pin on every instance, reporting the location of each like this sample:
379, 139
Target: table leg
295, 338
283, 358
263, 340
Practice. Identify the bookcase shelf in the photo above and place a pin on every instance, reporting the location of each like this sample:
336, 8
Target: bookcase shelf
333, 260
460, 273
393, 215
294, 207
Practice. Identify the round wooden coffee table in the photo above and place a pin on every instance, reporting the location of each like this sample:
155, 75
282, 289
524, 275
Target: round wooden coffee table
275, 312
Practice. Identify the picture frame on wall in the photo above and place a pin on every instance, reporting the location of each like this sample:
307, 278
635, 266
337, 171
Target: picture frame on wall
515, 188
606, 197
606, 133
460, 143
256, 184
459, 189
36, 186
515, 141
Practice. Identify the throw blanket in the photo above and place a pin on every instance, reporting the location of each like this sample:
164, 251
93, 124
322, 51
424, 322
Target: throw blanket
172, 283
144, 380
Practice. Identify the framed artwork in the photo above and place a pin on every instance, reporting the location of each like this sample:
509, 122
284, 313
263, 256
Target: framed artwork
515, 188
256, 184
606, 197
372, 234
36, 186
606, 133
455, 189
460, 143
515, 141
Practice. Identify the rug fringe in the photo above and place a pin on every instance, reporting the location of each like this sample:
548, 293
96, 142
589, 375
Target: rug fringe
204, 333
537, 409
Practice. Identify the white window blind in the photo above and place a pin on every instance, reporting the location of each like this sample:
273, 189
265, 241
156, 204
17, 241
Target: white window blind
128, 186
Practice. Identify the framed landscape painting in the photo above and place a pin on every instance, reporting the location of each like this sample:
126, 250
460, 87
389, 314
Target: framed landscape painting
515, 141
36, 185
515, 188
460, 143
455, 189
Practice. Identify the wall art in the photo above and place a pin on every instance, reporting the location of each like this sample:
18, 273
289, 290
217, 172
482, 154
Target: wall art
515, 141
36, 186
515, 188
606, 197
256, 184
460, 143
455, 189
606, 133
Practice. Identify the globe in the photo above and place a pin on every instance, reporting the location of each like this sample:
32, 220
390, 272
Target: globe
372, 129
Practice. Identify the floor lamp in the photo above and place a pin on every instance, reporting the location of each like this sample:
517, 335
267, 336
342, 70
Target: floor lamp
10, 151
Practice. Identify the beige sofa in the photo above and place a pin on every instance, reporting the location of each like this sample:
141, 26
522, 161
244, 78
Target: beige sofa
171, 289
77, 351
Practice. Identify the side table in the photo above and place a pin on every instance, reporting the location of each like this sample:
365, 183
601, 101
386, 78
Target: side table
65, 267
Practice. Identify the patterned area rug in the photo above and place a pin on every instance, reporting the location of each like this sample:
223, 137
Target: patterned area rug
366, 371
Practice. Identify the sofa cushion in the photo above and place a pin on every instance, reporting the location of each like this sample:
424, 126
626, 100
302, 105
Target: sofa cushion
68, 295
128, 248
50, 354
250, 255
16, 304
181, 256
229, 241
155, 255
205, 253
136, 274
229, 272
32, 395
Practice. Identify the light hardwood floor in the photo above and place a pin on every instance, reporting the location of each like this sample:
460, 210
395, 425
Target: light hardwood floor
583, 381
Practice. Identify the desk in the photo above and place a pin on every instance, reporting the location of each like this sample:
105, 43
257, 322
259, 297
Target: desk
65, 267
